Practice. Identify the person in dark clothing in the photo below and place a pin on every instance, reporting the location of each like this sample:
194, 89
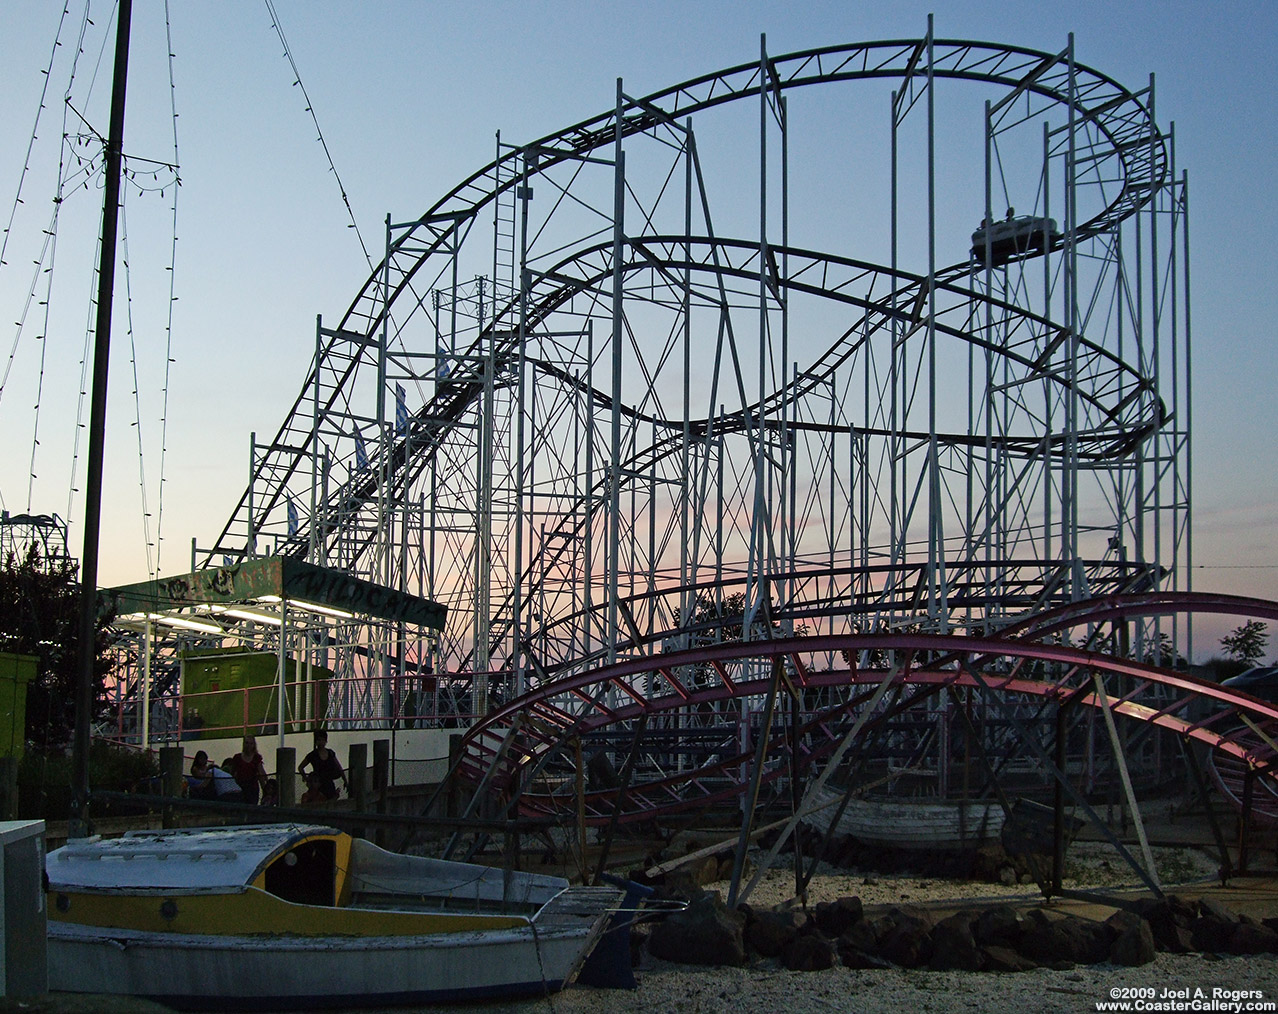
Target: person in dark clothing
200, 783
249, 770
323, 762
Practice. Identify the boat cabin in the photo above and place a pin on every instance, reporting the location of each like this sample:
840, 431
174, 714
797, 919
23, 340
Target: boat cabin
281, 878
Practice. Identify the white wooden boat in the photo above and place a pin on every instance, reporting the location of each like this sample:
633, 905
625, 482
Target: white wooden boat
290, 917
909, 823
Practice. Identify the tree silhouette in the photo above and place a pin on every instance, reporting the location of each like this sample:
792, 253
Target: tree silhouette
1246, 644
40, 616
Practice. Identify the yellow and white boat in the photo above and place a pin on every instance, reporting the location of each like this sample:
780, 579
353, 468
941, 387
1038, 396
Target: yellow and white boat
284, 916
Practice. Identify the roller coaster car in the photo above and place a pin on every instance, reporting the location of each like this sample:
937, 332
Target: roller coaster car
1260, 681
1013, 237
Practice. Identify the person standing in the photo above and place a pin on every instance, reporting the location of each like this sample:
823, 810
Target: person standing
323, 762
249, 770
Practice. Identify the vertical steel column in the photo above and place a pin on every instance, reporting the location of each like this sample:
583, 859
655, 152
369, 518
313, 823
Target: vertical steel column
524, 194
789, 406
1069, 506
146, 684
896, 473
381, 569
250, 548
757, 565
483, 534
618, 332
687, 565
592, 498
282, 669
987, 396
1189, 416
937, 599
312, 549
1047, 383
1158, 440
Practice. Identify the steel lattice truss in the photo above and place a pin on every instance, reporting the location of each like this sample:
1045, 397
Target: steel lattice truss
523, 752
615, 399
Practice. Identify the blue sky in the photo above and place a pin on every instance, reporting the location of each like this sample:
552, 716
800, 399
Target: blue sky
409, 96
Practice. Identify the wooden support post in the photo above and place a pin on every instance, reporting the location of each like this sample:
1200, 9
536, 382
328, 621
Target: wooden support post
627, 772
581, 812
8, 788
357, 778
286, 774
1058, 803
381, 781
452, 803
170, 780
1226, 863
1244, 820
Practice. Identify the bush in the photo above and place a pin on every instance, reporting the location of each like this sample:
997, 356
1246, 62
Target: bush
44, 780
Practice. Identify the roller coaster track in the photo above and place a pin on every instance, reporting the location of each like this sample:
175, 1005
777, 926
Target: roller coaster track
660, 682
1128, 148
1122, 402
511, 751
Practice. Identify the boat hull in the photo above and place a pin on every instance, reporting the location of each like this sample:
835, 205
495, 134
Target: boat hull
211, 972
910, 824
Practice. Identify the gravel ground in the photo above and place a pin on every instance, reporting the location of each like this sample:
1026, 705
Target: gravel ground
767, 988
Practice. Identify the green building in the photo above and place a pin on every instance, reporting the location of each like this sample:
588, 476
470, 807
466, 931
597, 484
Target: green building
233, 691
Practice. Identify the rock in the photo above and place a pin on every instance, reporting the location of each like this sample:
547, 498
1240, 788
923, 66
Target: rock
810, 952
705, 871
854, 957
861, 936
987, 861
998, 926
1210, 932
1133, 941
705, 933
954, 946
1007, 876
680, 885
997, 958
1066, 939
1250, 937
905, 938
1210, 909
1169, 919
772, 930
834, 918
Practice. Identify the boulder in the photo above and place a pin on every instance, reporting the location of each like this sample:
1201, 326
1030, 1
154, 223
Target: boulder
861, 936
997, 958
706, 871
1133, 939
1169, 920
854, 955
1064, 939
1252, 937
770, 931
1211, 931
705, 933
905, 937
954, 945
834, 918
999, 926
810, 952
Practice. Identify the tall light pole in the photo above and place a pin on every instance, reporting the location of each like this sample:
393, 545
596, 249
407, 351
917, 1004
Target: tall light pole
79, 826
